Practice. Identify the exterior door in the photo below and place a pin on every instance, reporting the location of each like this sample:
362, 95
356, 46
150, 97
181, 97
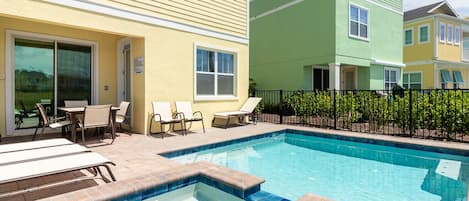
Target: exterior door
125, 78
349, 82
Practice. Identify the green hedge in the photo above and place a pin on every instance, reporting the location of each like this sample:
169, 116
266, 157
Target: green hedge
444, 110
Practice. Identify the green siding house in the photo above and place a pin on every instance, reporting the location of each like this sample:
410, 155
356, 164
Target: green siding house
326, 44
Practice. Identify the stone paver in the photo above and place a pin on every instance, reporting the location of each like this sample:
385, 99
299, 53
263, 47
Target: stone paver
136, 155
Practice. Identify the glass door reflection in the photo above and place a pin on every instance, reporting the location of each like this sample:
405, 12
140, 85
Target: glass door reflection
34, 80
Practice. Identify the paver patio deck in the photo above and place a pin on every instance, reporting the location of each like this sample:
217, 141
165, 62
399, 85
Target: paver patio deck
136, 155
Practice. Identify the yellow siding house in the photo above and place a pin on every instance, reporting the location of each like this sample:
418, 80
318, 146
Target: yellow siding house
436, 48
121, 50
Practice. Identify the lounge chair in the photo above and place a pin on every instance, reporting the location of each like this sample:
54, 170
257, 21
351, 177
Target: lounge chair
248, 109
184, 108
96, 116
29, 160
162, 114
121, 113
7, 148
45, 121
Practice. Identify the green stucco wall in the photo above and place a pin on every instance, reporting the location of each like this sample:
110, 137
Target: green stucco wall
283, 43
316, 33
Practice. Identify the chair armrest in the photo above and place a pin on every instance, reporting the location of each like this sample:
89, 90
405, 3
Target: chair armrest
198, 112
180, 115
154, 115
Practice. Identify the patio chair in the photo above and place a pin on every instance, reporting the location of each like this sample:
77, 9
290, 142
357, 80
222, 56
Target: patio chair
23, 113
96, 116
162, 114
247, 109
121, 113
45, 121
184, 108
76, 103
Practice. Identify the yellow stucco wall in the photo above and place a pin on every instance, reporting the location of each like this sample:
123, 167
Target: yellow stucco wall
427, 74
449, 51
107, 59
419, 51
168, 56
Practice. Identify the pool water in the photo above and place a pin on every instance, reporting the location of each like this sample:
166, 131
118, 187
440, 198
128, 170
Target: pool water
195, 192
294, 165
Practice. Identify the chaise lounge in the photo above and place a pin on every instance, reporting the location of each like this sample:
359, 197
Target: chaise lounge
29, 160
248, 109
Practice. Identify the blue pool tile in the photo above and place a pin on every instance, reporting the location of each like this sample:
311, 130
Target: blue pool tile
157, 190
265, 196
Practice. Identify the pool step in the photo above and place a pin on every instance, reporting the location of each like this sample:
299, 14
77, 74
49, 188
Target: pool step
449, 168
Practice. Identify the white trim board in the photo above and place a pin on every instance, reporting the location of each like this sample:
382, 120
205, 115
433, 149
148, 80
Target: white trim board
115, 12
277, 9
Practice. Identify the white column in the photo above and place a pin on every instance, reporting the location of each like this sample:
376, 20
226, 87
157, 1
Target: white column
436, 75
334, 76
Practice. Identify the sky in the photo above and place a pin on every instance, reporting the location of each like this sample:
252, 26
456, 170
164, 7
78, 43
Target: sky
461, 6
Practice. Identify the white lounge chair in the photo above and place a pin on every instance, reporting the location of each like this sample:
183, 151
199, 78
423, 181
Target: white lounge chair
29, 160
7, 148
162, 114
184, 108
246, 110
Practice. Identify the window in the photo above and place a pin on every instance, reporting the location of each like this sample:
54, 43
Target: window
442, 32
409, 36
458, 80
450, 33
413, 80
445, 78
457, 35
358, 22
391, 78
424, 34
215, 73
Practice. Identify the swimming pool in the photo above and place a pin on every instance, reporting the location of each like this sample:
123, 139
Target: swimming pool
295, 163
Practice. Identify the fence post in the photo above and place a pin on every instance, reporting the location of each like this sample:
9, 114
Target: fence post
335, 110
411, 124
281, 105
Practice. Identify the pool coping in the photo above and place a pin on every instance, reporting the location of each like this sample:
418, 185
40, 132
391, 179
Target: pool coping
233, 182
399, 142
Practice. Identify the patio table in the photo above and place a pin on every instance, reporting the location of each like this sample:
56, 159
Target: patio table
76, 111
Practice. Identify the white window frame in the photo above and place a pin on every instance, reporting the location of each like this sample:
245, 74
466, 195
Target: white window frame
398, 76
428, 33
235, 74
408, 78
367, 22
457, 42
412, 36
448, 35
442, 40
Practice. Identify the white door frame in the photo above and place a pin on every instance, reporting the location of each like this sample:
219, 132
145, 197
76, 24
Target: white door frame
121, 67
10, 71
343, 78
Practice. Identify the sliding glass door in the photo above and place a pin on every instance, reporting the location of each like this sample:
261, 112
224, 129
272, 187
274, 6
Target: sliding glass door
49, 72
73, 73
34, 79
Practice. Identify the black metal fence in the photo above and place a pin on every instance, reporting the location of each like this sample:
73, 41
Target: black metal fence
431, 114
